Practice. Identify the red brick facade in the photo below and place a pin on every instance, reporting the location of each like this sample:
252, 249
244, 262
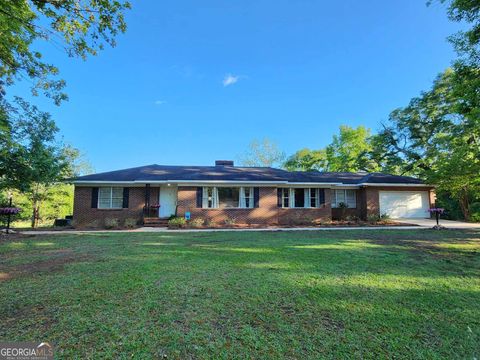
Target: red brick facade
267, 213
86, 216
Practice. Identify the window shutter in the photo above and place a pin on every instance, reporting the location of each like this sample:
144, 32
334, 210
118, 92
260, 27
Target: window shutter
125, 197
94, 197
256, 196
321, 197
279, 197
199, 197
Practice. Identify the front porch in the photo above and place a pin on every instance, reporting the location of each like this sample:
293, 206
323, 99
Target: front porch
160, 204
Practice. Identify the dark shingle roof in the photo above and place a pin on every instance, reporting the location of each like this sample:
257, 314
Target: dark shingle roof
234, 173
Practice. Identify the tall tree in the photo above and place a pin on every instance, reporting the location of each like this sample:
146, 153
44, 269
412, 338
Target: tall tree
350, 150
264, 153
466, 43
307, 160
34, 161
78, 27
437, 136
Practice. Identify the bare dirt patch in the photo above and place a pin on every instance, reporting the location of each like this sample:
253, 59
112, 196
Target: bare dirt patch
55, 262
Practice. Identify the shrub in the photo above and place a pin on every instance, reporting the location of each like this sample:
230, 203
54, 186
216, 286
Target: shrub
230, 221
111, 223
343, 209
210, 223
177, 222
475, 217
130, 223
384, 217
353, 218
92, 224
373, 218
198, 222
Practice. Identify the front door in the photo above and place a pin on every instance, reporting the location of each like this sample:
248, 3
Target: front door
168, 201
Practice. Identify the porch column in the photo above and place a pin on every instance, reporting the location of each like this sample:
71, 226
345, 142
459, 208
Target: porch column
147, 196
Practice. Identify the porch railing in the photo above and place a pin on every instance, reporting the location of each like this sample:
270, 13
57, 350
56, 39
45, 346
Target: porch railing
151, 211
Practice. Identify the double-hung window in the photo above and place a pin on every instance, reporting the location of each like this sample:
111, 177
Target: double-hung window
345, 196
314, 198
284, 197
246, 197
301, 197
227, 197
110, 198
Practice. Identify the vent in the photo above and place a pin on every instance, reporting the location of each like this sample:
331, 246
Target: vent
223, 163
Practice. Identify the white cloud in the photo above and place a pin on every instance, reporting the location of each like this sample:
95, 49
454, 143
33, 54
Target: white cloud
230, 79
159, 102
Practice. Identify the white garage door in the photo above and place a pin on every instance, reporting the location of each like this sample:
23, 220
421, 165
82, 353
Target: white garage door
404, 204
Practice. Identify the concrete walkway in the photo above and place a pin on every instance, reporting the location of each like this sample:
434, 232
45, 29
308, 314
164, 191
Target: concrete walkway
419, 225
449, 224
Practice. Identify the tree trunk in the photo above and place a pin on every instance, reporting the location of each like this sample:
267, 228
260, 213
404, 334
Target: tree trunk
464, 205
34, 221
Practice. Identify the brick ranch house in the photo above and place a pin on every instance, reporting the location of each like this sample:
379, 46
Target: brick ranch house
250, 195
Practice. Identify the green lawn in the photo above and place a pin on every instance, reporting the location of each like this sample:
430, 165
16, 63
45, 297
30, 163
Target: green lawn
329, 294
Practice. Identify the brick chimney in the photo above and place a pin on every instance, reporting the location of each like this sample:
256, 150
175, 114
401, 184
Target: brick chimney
223, 162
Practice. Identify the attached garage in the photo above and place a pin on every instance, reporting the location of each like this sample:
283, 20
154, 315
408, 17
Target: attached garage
404, 204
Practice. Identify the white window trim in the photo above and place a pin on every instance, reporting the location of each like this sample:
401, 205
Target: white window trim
216, 200
335, 203
306, 201
111, 197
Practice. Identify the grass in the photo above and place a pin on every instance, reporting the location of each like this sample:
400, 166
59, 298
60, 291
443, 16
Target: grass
329, 294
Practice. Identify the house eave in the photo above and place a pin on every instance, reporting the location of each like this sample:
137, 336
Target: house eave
205, 183
396, 185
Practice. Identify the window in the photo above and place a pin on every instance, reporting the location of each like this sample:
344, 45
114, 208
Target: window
314, 199
246, 197
348, 197
299, 198
285, 197
227, 197
110, 198
210, 198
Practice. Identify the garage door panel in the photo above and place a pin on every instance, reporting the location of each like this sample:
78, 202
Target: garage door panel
404, 204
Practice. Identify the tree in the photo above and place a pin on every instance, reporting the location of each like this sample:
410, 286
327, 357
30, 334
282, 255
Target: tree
437, 136
466, 43
34, 160
350, 150
263, 153
307, 160
78, 27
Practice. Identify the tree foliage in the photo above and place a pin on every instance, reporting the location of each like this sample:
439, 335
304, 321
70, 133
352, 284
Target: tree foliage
349, 151
78, 27
466, 43
307, 160
437, 136
32, 160
264, 153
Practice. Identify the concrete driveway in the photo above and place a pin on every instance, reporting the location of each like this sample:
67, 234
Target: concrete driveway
446, 223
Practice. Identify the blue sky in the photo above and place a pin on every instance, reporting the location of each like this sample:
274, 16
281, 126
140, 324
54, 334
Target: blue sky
191, 82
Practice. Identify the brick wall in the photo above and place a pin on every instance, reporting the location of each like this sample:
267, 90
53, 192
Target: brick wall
267, 213
86, 216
